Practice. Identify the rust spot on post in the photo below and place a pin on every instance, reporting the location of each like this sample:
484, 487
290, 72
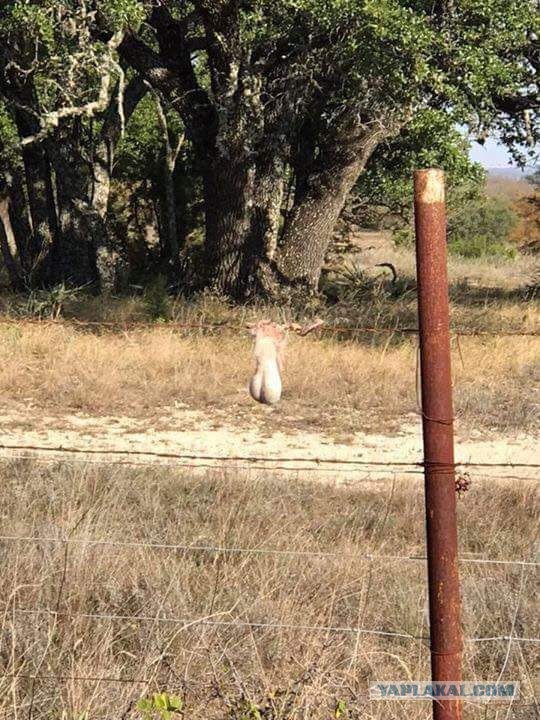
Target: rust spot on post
438, 434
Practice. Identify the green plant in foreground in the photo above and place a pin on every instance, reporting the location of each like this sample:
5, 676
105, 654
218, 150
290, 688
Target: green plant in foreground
340, 711
160, 706
50, 303
251, 712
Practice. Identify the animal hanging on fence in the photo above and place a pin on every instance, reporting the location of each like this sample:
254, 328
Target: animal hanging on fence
268, 350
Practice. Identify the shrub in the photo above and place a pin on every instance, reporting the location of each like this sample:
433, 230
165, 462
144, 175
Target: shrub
480, 246
481, 228
477, 227
156, 299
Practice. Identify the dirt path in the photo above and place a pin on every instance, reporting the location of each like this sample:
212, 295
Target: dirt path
205, 443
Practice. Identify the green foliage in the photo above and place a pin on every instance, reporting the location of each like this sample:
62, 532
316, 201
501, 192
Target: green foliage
430, 140
9, 141
385, 58
340, 710
430, 67
140, 152
123, 13
37, 20
403, 237
534, 179
250, 711
161, 706
481, 229
156, 299
50, 303
478, 226
480, 246
354, 285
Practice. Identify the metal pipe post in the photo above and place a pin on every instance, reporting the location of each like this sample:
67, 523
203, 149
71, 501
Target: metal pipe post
438, 434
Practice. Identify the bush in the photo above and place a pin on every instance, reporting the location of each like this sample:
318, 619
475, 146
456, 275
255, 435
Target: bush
480, 246
404, 237
156, 299
477, 227
481, 228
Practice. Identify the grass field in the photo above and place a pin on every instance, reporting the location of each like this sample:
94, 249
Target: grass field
233, 671
335, 382
237, 635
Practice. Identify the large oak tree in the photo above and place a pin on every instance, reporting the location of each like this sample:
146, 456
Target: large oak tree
284, 104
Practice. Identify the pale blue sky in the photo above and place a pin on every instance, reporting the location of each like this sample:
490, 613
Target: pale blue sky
491, 155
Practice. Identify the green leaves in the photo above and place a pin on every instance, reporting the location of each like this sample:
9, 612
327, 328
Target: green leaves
160, 706
430, 140
340, 709
122, 14
37, 20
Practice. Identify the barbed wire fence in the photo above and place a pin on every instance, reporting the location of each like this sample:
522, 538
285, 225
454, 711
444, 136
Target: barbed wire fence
295, 464
42, 453
324, 329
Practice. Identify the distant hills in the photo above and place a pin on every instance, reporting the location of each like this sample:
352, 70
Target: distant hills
510, 173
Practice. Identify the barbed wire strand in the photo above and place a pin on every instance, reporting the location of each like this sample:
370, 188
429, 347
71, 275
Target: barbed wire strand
345, 629
219, 623
232, 465
367, 472
262, 459
254, 551
77, 678
225, 325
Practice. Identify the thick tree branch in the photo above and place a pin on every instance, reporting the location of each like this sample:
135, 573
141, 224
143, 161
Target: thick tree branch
170, 72
52, 119
134, 92
512, 104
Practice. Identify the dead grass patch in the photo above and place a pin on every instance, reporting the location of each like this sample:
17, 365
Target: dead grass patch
220, 670
332, 386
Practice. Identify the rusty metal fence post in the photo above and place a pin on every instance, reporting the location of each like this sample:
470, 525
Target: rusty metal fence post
438, 433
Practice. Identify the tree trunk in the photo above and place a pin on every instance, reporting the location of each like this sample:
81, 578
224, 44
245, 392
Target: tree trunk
264, 224
40, 197
169, 223
8, 247
111, 131
319, 200
74, 254
227, 187
266, 208
16, 217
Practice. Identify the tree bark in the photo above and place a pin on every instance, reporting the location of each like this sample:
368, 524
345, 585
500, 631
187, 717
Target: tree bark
216, 125
40, 194
103, 159
8, 246
318, 202
16, 218
227, 187
74, 253
170, 223
267, 200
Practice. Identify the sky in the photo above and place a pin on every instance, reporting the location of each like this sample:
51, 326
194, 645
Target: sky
491, 155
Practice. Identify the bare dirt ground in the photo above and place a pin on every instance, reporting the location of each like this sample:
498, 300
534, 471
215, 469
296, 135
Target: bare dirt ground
346, 398
205, 443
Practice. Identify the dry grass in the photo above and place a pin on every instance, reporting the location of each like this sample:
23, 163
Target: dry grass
220, 671
331, 386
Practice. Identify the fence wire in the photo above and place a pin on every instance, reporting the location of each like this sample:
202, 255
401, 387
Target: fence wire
237, 623
223, 549
225, 325
403, 466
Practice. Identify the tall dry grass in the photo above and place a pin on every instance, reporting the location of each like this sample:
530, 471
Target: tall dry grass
330, 385
222, 671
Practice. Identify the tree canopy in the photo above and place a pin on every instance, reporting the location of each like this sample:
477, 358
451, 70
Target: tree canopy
287, 108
